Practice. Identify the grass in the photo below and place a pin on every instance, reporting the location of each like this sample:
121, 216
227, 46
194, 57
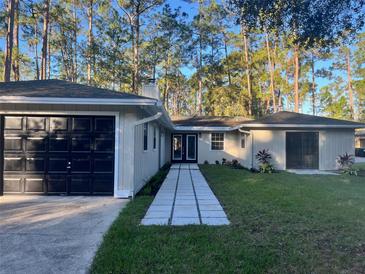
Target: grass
360, 166
280, 223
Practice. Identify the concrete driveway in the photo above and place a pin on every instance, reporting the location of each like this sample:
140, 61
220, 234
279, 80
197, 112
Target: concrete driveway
45, 234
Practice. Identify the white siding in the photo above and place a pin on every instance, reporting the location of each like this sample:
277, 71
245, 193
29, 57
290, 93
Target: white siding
232, 149
333, 143
274, 141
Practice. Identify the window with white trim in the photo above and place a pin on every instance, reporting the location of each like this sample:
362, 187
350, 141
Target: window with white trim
217, 141
145, 136
243, 140
154, 137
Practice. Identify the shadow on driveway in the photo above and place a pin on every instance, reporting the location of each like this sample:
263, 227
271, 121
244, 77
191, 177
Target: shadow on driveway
53, 234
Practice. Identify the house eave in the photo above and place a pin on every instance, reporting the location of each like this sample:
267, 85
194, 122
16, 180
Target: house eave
75, 101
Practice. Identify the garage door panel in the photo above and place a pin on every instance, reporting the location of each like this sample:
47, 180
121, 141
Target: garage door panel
36, 143
13, 123
58, 143
57, 164
58, 124
81, 124
80, 184
103, 165
13, 143
36, 123
103, 184
34, 185
56, 184
13, 184
104, 124
81, 143
81, 164
35, 165
59, 154
13, 163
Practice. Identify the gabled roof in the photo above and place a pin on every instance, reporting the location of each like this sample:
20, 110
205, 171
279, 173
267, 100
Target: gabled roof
209, 121
293, 119
60, 89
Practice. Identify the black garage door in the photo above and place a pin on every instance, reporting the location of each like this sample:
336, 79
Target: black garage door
58, 155
302, 150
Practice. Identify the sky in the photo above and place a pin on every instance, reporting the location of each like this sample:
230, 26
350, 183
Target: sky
191, 9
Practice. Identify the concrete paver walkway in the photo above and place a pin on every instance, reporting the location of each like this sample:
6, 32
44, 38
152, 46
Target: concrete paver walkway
185, 198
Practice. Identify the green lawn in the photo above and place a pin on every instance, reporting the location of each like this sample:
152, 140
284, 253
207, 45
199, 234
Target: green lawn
280, 223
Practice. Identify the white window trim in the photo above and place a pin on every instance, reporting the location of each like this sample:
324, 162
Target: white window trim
224, 141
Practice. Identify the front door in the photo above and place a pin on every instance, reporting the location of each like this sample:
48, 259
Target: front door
184, 148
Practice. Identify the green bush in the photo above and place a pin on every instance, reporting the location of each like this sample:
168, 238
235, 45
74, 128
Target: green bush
154, 184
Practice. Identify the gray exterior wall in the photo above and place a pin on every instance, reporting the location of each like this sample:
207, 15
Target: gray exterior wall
331, 144
131, 176
232, 148
147, 163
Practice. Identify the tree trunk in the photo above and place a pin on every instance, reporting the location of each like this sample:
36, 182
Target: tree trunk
248, 69
200, 81
9, 41
75, 67
135, 29
228, 64
45, 40
16, 42
49, 53
296, 78
90, 40
349, 84
313, 87
271, 70
36, 51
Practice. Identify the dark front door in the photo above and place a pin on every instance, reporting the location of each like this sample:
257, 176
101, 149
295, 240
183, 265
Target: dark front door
184, 148
302, 150
59, 154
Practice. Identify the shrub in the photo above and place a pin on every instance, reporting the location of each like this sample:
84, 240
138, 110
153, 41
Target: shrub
217, 162
154, 184
345, 163
206, 162
264, 157
224, 161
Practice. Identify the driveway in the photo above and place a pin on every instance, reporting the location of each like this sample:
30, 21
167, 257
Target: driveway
53, 234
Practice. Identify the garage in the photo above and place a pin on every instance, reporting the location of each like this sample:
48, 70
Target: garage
71, 155
302, 150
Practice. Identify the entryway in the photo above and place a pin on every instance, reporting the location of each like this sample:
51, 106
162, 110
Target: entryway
184, 148
302, 150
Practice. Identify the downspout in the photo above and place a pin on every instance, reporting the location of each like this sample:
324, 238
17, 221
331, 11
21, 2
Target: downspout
137, 123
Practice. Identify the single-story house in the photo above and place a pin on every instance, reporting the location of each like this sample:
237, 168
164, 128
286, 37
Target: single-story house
58, 137
360, 138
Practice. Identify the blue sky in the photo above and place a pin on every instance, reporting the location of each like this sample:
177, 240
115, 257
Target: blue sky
191, 10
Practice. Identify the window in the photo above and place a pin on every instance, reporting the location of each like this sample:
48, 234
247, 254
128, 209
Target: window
145, 136
154, 138
217, 141
243, 140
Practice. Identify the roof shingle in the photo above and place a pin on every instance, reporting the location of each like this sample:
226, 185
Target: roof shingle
60, 89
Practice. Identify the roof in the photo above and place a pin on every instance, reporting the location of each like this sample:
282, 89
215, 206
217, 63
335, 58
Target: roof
294, 119
208, 121
60, 89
